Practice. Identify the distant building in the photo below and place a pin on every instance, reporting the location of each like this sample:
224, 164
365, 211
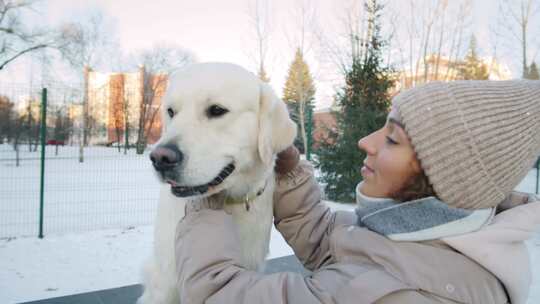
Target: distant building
444, 69
323, 121
28, 105
114, 98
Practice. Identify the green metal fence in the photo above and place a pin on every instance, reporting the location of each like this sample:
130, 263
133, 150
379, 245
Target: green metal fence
537, 176
51, 182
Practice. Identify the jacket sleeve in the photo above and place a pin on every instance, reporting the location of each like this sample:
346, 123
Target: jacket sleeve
303, 219
209, 270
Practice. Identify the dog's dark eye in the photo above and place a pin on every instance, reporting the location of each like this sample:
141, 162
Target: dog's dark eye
170, 111
215, 111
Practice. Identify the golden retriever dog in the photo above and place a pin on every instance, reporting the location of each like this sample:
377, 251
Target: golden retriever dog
222, 130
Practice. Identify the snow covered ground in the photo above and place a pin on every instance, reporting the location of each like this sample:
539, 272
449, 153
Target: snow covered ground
98, 217
58, 265
108, 190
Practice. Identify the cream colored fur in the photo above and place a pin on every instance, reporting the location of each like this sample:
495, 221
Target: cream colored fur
256, 127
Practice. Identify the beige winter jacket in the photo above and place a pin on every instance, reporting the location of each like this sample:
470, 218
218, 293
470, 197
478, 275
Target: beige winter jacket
350, 264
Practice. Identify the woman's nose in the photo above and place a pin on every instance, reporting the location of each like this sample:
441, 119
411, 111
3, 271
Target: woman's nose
366, 144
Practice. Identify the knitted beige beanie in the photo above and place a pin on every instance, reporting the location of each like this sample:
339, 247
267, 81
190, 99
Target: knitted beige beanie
476, 140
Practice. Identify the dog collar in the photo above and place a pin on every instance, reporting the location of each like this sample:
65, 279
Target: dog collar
246, 199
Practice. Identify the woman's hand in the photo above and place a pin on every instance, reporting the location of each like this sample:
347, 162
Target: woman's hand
287, 160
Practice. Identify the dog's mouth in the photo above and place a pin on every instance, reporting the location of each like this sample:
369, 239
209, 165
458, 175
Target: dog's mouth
186, 191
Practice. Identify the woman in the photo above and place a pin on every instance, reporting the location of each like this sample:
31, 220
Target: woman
424, 230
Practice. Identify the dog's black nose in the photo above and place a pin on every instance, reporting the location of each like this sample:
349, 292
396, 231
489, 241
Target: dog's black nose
166, 157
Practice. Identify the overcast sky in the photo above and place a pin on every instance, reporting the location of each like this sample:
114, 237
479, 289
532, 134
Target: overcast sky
219, 30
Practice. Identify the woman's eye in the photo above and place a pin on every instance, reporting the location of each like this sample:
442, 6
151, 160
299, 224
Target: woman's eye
171, 113
215, 111
390, 140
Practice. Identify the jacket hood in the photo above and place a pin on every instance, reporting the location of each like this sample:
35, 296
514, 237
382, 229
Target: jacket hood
509, 247
506, 244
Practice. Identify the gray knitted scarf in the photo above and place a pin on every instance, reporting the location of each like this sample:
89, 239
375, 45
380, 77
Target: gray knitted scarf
418, 220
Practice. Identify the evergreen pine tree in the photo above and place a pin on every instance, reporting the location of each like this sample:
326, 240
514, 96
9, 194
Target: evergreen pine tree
299, 93
472, 67
363, 104
532, 72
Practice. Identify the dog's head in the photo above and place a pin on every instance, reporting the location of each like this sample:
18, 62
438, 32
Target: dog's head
222, 129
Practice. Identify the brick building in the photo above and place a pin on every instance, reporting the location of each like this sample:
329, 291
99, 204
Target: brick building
120, 100
323, 120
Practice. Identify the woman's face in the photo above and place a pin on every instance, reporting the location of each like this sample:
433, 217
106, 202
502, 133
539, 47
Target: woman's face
390, 161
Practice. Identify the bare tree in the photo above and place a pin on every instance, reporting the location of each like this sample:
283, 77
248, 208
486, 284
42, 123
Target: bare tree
300, 34
127, 119
423, 43
62, 126
83, 46
299, 87
7, 119
430, 39
117, 99
16, 39
259, 16
30, 124
84, 43
342, 46
17, 134
155, 66
518, 21
458, 33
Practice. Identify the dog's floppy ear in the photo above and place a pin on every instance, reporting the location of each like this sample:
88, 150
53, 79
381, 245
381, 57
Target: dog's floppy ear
276, 129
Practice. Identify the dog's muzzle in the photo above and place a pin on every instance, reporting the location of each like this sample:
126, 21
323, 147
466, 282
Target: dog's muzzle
185, 191
168, 157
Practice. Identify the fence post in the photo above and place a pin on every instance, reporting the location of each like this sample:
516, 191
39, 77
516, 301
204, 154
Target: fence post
309, 132
43, 129
537, 174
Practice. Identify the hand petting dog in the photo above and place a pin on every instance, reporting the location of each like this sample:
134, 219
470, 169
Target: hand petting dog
287, 160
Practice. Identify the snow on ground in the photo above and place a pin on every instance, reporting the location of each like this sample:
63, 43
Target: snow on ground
33, 269
108, 190
98, 217
59, 265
